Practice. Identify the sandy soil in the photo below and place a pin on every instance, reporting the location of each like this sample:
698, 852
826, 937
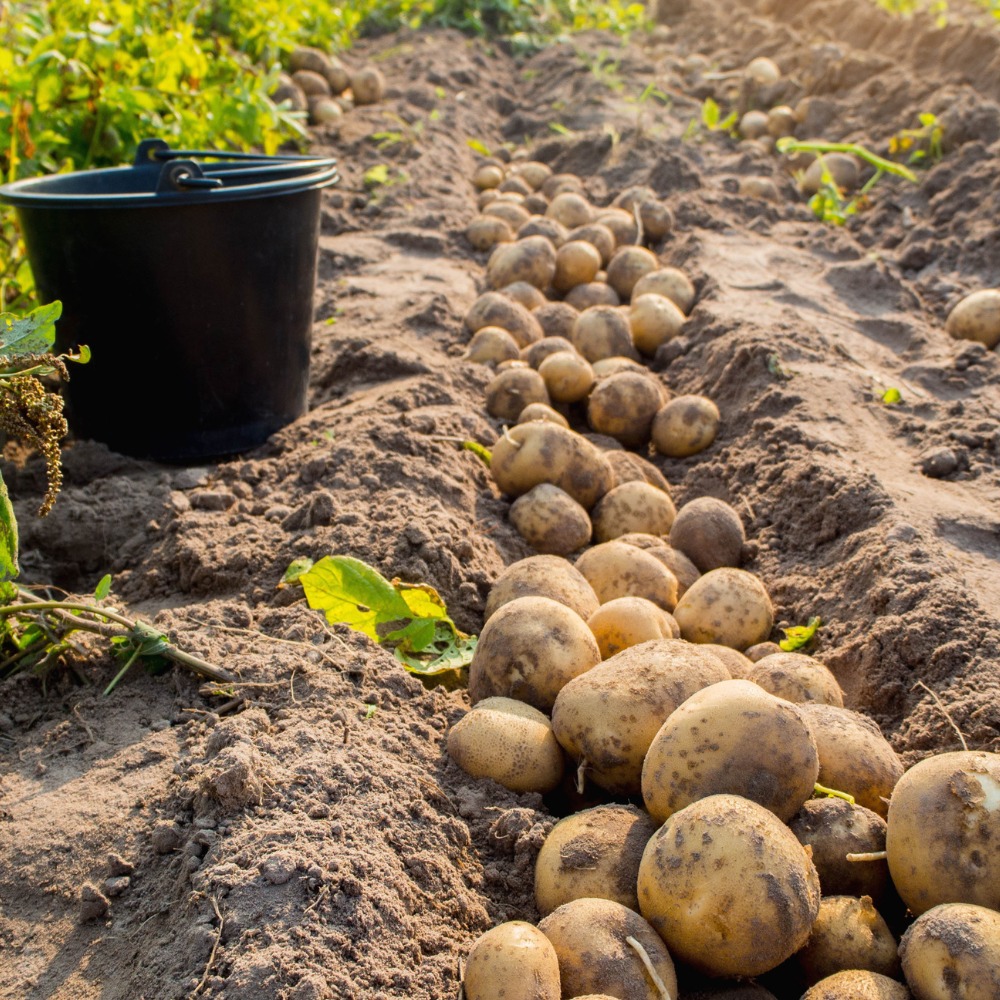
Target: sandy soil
300, 843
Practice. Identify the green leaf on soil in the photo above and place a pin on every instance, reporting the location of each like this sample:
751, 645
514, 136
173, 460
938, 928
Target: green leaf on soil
34, 333
710, 114
103, 587
8, 536
295, 569
376, 176
480, 451
799, 635
891, 396
479, 147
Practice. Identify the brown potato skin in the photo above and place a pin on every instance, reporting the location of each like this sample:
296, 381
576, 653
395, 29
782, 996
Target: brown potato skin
532, 259
539, 411
627, 266
550, 520
553, 230
797, 677
633, 507
686, 426
670, 282
709, 532
486, 231
615, 569
576, 264
629, 467
556, 319
629, 621
537, 352
516, 956
725, 606
495, 309
511, 390
977, 317
543, 576
623, 406
603, 332
591, 293
858, 985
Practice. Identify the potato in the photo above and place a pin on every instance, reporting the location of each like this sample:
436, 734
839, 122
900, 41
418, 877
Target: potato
550, 520
307, 57
633, 507
556, 183
593, 293
709, 532
613, 365
576, 264
854, 757
953, 950
592, 854
367, 86
627, 266
943, 831
532, 259
543, 452
527, 295
556, 319
858, 985
567, 377
288, 90
552, 229
653, 320
736, 662
781, 121
590, 937
727, 887
977, 317
629, 621
490, 345
515, 959
731, 737
511, 213
726, 606
485, 197
540, 411
615, 569
759, 650
535, 174
602, 332
598, 236
842, 167
758, 187
623, 406
833, 828
485, 231
753, 124
657, 219
797, 677
630, 467
621, 223
848, 933
669, 282
686, 426
571, 209
537, 204
311, 84
529, 649
510, 742
608, 717
516, 185
762, 71
633, 196
543, 576
537, 352
729, 990
512, 390
495, 309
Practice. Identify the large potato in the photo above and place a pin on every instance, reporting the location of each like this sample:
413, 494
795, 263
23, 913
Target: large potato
687, 425
529, 649
532, 259
726, 606
577, 262
627, 266
511, 390
623, 407
670, 282
592, 854
633, 507
495, 309
653, 320
609, 716
543, 452
615, 569
977, 317
858, 985
628, 621
550, 520
490, 345
728, 888
603, 332
943, 837
510, 742
731, 737
797, 677
709, 532
514, 960
590, 937
543, 576
953, 950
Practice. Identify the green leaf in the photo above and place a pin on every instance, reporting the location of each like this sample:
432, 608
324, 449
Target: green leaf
34, 333
8, 536
799, 635
370, 710
891, 396
481, 452
559, 128
450, 650
479, 147
376, 176
103, 587
710, 114
295, 570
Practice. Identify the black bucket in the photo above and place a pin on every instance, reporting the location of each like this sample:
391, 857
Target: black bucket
193, 287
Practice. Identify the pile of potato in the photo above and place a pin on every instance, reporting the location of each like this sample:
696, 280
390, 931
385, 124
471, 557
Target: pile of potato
320, 84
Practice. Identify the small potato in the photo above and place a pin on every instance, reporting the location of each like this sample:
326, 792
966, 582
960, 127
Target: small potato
709, 532
629, 621
529, 649
686, 426
657, 219
753, 124
842, 167
858, 985
543, 452
513, 214
731, 737
726, 606
627, 266
943, 831
653, 320
576, 264
367, 86
512, 390
495, 309
977, 317
552, 229
556, 319
953, 950
516, 185
486, 231
727, 887
288, 90
543, 576
527, 295
759, 650
633, 196
633, 507
621, 223
593, 854
590, 937
307, 57
854, 756
615, 569
600, 237
510, 742
669, 282
781, 121
592, 293
514, 957
535, 174
550, 520
532, 259
556, 183
312, 84
607, 718
568, 377
603, 332
797, 678
623, 407
762, 71
630, 467
536, 203
758, 187
571, 209
537, 352
539, 411
490, 345
324, 111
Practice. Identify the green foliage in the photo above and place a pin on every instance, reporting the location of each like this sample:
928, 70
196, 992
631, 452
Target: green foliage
799, 635
920, 145
891, 397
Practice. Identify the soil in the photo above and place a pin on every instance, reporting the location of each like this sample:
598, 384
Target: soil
309, 838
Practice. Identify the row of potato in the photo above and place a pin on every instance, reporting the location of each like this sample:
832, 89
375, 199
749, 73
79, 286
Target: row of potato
644, 670
324, 87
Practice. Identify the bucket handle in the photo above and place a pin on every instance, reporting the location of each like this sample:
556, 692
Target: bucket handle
157, 150
180, 175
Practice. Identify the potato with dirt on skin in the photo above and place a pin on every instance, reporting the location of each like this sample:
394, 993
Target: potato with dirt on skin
593, 854
367, 85
944, 831
798, 678
490, 345
527, 295
512, 390
736, 662
542, 411
953, 950
598, 236
621, 223
550, 520
576, 264
670, 282
615, 569
556, 183
538, 225
734, 738
510, 742
592, 293
486, 231
616, 364
567, 377
977, 317
529, 650
653, 320
759, 650
543, 576
709, 532
607, 718
543, 452
857, 984
512, 214
630, 467
515, 959
842, 167
603, 332
728, 888
495, 309
627, 266
590, 937
726, 606
556, 319
532, 259
686, 426
533, 172
629, 621
571, 209
633, 507
623, 406
537, 352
